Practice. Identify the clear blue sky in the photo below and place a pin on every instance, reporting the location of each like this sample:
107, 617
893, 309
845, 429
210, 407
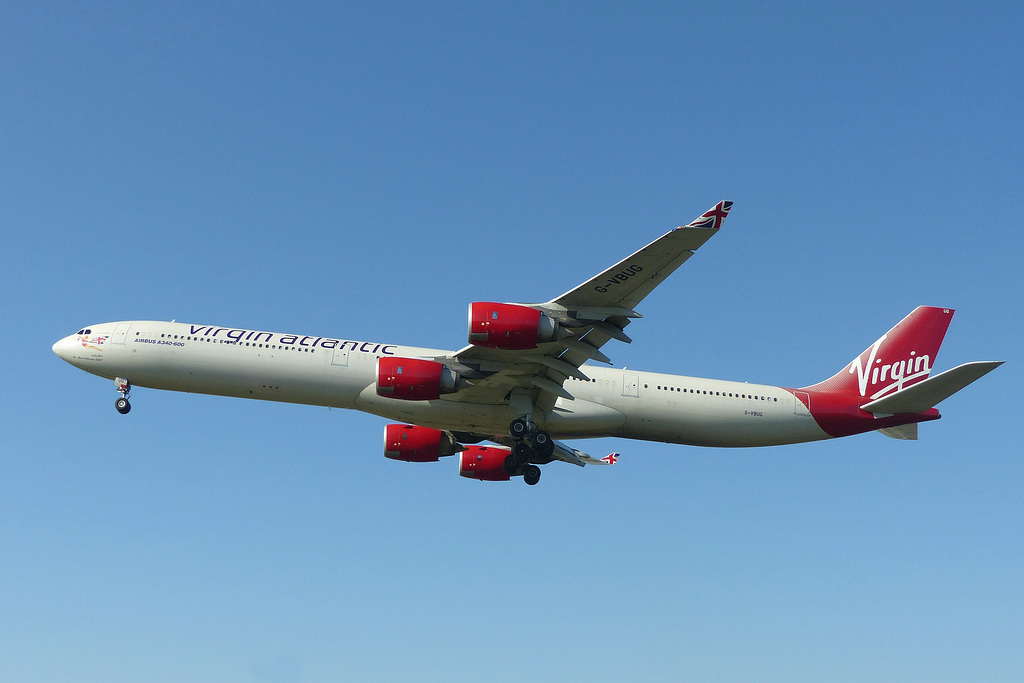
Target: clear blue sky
365, 171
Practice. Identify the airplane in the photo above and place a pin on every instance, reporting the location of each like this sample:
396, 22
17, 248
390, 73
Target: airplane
526, 380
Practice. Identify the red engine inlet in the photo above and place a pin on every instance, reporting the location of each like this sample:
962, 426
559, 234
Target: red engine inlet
414, 379
484, 463
412, 443
508, 326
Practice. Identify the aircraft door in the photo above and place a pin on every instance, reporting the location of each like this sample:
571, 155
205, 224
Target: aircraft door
631, 385
340, 357
802, 403
120, 333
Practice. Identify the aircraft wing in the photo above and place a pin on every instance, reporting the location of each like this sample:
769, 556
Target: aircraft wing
587, 317
574, 456
566, 453
625, 284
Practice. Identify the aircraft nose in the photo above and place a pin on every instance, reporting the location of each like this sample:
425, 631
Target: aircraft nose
63, 348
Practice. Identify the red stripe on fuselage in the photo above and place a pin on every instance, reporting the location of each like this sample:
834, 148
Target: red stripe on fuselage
839, 413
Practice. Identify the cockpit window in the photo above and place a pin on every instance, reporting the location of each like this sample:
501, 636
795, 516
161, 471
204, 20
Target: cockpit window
85, 331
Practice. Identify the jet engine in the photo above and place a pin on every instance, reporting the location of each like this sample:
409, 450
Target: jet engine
414, 379
509, 326
485, 463
412, 443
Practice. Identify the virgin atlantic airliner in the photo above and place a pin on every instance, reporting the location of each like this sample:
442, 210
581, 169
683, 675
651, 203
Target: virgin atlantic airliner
524, 380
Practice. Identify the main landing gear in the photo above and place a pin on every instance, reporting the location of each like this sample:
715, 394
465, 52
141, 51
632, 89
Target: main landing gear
124, 387
529, 444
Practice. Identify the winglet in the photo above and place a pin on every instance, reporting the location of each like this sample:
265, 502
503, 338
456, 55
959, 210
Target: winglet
713, 217
611, 458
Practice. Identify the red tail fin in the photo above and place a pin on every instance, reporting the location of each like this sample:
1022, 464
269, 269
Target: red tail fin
902, 357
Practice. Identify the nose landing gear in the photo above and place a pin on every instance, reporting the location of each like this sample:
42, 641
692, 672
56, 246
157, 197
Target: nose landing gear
124, 387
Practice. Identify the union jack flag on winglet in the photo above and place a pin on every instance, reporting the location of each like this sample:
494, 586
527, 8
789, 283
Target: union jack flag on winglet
714, 217
611, 458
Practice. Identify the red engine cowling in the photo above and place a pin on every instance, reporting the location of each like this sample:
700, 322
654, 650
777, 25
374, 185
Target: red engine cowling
484, 463
508, 326
414, 379
412, 443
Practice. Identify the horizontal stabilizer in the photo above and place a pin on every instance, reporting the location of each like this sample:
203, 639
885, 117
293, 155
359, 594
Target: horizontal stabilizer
928, 393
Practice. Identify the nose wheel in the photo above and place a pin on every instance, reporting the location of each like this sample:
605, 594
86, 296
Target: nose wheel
124, 387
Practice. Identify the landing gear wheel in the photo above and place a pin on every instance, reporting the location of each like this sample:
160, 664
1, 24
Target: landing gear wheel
542, 443
124, 388
521, 452
531, 475
511, 465
519, 428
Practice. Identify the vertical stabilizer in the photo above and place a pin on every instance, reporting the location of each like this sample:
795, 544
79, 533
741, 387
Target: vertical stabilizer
902, 357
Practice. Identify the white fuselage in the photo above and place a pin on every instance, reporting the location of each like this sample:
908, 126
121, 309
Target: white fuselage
339, 373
